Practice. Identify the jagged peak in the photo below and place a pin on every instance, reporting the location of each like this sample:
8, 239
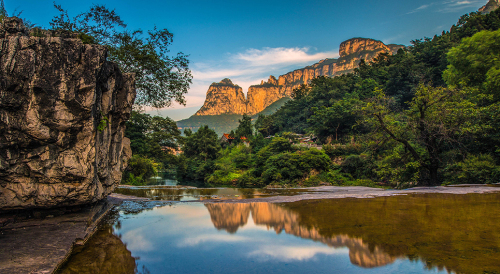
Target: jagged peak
225, 82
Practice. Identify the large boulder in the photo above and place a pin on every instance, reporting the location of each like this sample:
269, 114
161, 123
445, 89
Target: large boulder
63, 109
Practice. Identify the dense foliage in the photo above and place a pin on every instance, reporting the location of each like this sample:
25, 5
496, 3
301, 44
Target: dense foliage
426, 115
153, 141
160, 78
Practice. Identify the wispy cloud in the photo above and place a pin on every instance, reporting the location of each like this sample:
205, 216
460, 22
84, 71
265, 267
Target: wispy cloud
423, 7
458, 5
280, 56
217, 238
249, 67
448, 6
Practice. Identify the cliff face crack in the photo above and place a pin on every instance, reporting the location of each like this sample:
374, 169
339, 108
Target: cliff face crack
51, 103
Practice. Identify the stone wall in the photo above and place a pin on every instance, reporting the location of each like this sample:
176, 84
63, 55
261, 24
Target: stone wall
55, 93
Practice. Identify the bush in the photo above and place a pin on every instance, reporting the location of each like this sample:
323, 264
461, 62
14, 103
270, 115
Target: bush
289, 168
359, 166
337, 150
480, 169
140, 168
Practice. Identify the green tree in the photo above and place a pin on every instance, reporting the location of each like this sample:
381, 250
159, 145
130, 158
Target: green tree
203, 144
476, 63
437, 118
245, 128
160, 78
153, 137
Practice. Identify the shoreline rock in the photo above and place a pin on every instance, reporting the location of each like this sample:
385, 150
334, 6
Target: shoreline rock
63, 109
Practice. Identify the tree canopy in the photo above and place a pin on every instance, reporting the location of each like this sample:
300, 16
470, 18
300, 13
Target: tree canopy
160, 78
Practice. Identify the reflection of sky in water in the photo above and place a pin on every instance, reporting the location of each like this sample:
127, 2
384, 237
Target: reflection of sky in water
183, 239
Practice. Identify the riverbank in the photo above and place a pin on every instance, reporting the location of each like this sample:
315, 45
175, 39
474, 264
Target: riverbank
337, 192
39, 242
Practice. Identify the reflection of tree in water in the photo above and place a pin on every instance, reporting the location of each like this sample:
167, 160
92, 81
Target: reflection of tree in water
170, 194
460, 233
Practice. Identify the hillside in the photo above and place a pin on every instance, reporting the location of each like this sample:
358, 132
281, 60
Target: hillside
224, 123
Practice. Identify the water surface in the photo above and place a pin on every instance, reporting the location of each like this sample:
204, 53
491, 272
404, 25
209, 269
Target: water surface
170, 193
424, 233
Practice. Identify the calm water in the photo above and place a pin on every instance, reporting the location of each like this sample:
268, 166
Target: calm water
193, 194
436, 233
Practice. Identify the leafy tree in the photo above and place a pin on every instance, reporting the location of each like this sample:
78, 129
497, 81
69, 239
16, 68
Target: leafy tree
139, 169
476, 63
3, 11
160, 78
203, 144
245, 128
153, 137
436, 118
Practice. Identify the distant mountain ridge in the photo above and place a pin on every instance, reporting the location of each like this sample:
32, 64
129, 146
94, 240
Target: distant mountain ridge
226, 103
228, 98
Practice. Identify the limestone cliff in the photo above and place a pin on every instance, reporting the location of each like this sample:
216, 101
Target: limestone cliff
263, 95
224, 98
490, 6
63, 109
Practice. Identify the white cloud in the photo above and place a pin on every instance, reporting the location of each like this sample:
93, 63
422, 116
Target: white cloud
136, 241
193, 241
281, 56
248, 68
449, 6
294, 253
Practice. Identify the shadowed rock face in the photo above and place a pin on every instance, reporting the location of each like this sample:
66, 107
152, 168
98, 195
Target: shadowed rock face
54, 95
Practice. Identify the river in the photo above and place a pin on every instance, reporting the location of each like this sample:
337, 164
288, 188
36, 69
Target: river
414, 233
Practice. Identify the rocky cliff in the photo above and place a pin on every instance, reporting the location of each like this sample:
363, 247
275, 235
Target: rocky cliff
63, 109
490, 6
224, 98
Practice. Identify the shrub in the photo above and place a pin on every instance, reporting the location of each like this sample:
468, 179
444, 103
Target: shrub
480, 169
140, 169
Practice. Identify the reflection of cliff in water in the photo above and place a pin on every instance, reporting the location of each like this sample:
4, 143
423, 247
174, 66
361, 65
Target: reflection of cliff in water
230, 217
103, 253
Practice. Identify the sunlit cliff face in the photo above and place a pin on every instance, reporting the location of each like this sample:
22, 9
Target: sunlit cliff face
228, 98
230, 217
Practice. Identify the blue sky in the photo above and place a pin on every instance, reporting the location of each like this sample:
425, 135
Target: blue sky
249, 40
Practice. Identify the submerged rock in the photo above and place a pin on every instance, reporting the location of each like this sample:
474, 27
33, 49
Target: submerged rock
63, 109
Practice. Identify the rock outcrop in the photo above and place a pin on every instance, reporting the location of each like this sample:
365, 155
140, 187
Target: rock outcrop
223, 98
63, 109
490, 6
